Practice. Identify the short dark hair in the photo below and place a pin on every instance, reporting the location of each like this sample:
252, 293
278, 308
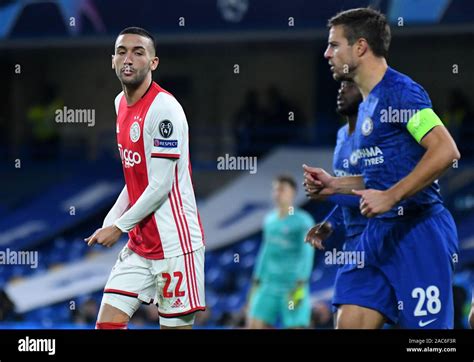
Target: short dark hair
139, 31
290, 180
366, 23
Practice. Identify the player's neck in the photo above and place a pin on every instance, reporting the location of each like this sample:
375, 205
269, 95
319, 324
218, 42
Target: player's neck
370, 74
133, 95
351, 123
283, 211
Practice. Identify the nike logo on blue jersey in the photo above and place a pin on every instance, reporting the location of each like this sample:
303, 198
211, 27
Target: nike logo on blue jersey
424, 324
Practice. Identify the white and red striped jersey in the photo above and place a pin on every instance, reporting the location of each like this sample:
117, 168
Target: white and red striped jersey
157, 206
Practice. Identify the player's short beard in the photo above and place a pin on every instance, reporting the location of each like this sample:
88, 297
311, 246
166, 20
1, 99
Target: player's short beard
349, 110
136, 81
346, 76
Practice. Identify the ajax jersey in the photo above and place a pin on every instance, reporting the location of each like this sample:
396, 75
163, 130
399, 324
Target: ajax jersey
156, 127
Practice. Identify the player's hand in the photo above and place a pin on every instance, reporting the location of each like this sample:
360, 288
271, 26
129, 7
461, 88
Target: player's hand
297, 294
91, 240
375, 202
318, 233
317, 181
107, 236
313, 193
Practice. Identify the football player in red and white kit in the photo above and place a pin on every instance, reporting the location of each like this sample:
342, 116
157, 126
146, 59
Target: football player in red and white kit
163, 262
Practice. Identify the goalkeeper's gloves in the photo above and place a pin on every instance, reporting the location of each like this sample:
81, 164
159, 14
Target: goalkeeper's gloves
297, 294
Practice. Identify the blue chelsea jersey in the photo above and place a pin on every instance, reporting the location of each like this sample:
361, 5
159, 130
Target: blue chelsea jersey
344, 164
385, 151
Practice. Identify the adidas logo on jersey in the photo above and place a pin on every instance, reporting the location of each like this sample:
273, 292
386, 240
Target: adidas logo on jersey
177, 304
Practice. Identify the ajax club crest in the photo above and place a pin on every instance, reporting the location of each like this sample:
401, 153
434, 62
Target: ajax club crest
135, 132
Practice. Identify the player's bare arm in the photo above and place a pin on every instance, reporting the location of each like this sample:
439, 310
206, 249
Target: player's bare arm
319, 181
441, 152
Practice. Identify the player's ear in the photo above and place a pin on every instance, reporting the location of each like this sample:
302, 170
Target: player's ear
113, 65
154, 63
361, 46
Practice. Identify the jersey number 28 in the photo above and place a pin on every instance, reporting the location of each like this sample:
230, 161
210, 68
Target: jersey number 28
431, 296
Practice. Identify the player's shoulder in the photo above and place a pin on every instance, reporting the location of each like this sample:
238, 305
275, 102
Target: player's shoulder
270, 216
342, 132
405, 88
165, 102
118, 99
165, 107
303, 216
396, 79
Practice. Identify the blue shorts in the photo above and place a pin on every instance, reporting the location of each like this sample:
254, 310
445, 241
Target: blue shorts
351, 244
270, 304
408, 270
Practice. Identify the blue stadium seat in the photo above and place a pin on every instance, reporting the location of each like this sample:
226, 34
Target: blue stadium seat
226, 259
234, 302
247, 263
217, 278
247, 247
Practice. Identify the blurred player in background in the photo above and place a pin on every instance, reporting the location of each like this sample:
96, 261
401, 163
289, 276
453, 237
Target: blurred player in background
402, 148
163, 262
280, 288
348, 214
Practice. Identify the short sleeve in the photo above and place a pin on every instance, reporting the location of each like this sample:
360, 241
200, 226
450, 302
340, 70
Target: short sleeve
166, 127
117, 101
420, 118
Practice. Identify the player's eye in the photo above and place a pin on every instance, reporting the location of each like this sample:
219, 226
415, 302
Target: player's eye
121, 52
138, 53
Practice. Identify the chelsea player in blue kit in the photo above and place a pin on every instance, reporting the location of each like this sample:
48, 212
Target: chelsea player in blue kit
402, 148
347, 214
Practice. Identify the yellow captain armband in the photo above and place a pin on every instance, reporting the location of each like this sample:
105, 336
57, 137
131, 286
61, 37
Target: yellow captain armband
422, 122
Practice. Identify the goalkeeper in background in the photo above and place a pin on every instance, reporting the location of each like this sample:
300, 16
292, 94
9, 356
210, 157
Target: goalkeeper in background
280, 291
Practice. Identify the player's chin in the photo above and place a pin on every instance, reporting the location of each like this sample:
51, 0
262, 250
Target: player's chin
337, 76
130, 81
340, 77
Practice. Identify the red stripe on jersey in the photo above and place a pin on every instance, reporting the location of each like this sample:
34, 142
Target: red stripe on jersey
184, 245
193, 278
121, 292
165, 155
193, 263
180, 212
182, 208
187, 237
171, 199
192, 296
161, 253
172, 315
